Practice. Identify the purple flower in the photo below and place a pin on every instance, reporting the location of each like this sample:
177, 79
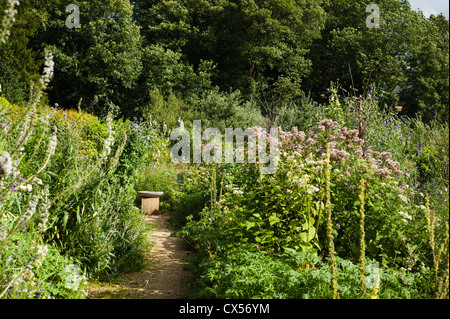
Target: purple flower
328, 89
13, 187
21, 179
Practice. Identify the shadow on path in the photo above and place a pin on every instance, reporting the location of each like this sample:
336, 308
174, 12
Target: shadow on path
163, 278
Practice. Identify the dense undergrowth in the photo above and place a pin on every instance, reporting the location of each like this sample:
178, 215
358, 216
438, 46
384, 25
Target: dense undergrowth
358, 208
67, 199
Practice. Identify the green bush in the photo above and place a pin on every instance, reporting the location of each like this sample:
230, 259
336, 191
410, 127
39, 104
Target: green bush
159, 178
227, 110
241, 273
43, 271
55, 196
347, 192
303, 113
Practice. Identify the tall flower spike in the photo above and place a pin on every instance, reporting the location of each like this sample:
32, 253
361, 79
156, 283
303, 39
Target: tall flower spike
109, 140
8, 20
6, 165
30, 210
52, 141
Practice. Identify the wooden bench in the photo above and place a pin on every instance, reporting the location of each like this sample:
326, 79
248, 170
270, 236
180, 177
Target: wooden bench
150, 201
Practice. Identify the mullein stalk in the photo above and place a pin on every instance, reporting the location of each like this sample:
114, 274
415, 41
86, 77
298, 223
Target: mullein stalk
213, 188
443, 282
431, 221
329, 224
362, 243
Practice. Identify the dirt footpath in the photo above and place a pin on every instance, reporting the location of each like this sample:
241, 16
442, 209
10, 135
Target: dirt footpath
163, 278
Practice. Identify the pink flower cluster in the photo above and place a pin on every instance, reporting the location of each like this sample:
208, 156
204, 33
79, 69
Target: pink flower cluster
343, 144
380, 159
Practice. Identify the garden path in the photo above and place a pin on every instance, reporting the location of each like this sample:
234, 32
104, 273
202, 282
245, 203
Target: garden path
164, 276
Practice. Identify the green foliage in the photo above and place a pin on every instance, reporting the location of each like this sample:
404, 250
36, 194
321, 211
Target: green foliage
426, 92
228, 110
166, 110
303, 113
92, 221
240, 273
19, 64
165, 71
254, 218
364, 190
408, 51
47, 274
161, 178
99, 62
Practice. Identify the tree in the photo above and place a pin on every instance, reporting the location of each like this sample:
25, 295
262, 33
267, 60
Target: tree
427, 93
253, 43
257, 43
98, 63
19, 63
358, 56
406, 50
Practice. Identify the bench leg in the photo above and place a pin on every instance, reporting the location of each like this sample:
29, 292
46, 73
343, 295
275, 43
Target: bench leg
150, 205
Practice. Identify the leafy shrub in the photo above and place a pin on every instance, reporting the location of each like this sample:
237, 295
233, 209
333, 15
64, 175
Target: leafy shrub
303, 113
241, 273
79, 207
44, 272
228, 110
352, 201
166, 110
159, 178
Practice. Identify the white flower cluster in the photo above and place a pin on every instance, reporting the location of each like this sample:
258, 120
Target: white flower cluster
45, 78
52, 141
405, 216
403, 198
8, 19
45, 205
26, 130
30, 210
237, 191
301, 182
312, 189
26, 188
6, 165
109, 141
48, 69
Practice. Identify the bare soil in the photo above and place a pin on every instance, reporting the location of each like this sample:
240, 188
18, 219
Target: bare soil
163, 278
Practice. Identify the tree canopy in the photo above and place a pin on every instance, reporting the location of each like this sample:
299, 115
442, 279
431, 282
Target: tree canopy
126, 49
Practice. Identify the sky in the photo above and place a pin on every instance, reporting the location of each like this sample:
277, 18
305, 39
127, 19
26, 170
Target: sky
431, 6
